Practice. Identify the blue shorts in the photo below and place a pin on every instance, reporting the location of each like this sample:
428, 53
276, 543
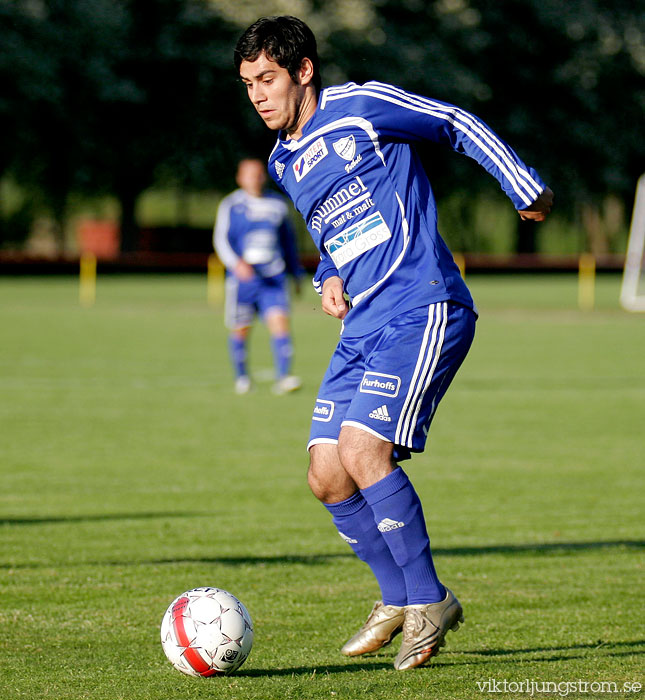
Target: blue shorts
257, 296
390, 382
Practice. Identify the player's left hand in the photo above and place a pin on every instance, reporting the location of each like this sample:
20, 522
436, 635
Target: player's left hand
540, 208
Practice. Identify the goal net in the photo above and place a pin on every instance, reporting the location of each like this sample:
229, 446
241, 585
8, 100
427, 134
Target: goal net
632, 293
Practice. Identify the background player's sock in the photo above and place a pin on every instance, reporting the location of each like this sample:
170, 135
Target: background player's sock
355, 523
282, 354
237, 351
399, 517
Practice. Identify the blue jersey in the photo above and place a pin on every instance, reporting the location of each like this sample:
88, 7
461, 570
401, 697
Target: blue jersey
358, 182
256, 230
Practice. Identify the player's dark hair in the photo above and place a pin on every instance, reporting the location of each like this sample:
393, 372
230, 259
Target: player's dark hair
285, 40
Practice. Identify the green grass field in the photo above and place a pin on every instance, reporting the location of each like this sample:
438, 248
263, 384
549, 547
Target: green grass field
130, 472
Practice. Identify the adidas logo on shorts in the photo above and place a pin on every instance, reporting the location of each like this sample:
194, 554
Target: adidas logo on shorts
387, 524
381, 414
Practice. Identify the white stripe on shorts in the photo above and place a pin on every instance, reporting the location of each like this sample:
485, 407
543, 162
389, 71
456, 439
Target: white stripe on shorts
426, 363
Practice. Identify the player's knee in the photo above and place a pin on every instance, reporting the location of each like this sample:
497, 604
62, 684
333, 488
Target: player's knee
366, 458
327, 479
316, 473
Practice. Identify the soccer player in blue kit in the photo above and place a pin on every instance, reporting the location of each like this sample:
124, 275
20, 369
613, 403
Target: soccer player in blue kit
346, 157
254, 240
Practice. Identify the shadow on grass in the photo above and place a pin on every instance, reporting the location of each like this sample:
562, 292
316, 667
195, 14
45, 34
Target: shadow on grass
606, 647
467, 550
96, 517
314, 559
447, 658
542, 653
316, 670
537, 548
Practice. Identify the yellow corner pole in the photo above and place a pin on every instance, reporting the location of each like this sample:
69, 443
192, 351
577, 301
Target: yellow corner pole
87, 280
460, 261
215, 280
586, 281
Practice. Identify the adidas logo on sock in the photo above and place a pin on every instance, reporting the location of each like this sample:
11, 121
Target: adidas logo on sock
349, 540
387, 524
381, 414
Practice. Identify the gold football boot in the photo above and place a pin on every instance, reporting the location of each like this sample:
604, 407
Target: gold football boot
424, 630
382, 625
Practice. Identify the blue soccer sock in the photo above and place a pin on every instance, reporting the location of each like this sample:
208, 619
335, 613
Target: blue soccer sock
355, 523
282, 354
399, 517
237, 351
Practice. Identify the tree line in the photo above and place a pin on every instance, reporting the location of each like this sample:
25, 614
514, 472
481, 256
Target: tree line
115, 96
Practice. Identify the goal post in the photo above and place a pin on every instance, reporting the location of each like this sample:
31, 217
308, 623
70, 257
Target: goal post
632, 295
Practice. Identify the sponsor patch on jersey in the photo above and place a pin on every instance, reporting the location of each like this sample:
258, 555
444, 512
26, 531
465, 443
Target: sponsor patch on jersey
355, 240
323, 410
310, 158
382, 384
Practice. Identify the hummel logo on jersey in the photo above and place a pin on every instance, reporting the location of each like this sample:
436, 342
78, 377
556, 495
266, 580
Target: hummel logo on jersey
279, 169
349, 540
387, 524
381, 414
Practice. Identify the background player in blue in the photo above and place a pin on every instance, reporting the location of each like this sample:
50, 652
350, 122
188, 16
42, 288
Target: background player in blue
346, 157
255, 241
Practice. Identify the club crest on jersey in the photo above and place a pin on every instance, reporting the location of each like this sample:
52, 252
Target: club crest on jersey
346, 149
310, 158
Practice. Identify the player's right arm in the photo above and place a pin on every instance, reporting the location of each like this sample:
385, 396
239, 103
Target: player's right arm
328, 283
333, 298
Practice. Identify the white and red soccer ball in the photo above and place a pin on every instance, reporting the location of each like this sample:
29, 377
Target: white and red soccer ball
206, 632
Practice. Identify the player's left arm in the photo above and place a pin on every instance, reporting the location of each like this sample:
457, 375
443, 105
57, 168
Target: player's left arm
402, 115
540, 208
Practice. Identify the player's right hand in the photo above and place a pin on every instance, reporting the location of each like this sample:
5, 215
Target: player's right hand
333, 299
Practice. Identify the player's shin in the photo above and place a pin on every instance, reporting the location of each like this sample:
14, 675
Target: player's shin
399, 518
282, 354
355, 523
238, 354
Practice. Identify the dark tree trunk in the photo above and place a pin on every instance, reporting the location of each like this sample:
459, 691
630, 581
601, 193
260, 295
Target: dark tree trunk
526, 237
129, 228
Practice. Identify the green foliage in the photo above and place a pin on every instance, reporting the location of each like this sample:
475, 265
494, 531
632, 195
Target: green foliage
115, 96
131, 472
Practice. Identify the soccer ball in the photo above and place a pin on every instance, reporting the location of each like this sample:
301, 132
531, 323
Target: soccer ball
206, 631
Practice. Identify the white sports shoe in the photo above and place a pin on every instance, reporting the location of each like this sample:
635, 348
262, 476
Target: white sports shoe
243, 384
285, 385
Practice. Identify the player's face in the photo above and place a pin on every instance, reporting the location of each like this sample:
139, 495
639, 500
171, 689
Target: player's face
277, 98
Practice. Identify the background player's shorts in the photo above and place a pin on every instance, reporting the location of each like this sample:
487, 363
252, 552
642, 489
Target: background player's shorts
390, 382
257, 296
